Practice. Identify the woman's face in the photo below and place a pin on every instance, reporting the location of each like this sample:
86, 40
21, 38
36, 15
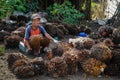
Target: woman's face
36, 22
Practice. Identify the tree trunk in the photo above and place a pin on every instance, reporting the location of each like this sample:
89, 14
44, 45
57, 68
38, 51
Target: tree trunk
88, 10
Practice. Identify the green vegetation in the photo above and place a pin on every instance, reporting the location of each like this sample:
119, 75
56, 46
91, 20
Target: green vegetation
7, 7
65, 13
31, 5
2, 50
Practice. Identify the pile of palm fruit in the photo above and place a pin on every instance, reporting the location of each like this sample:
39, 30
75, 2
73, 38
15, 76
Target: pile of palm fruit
98, 53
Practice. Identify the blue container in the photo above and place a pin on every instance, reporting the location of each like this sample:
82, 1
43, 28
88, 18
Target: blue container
82, 34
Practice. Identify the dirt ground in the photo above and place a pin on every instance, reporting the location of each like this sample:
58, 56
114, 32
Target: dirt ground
6, 74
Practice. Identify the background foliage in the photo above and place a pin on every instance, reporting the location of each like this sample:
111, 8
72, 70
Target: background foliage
31, 5
65, 12
7, 7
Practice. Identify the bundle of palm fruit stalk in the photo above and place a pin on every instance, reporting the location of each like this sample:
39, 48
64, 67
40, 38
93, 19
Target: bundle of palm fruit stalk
19, 31
19, 62
15, 56
38, 65
116, 36
101, 52
53, 30
83, 55
71, 59
72, 29
20, 65
108, 42
58, 51
23, 68
57, 67
113, 68
105, 31
93, 66
115, 56
62, 28
84, 28
3, 34
82, 42
12, 41
88, 43
95, 36
65, 46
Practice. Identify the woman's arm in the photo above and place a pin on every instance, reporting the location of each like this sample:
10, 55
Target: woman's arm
49, 37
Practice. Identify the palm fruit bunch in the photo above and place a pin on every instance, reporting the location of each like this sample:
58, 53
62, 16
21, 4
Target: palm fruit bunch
101, 52
62, 28
57, 67
88, 30
22, 68
65, 46
19, 62
83, 55
48, 55
19, 31
105, 31
82, 42
24, 71
95, 36
115, 56
72, 29
38, 65
79, 45
93, 66
3, 34
58, 51
88, 43
116, 36
108, 42
82, 28
12, 57
54, 30
12, 41
71, 59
